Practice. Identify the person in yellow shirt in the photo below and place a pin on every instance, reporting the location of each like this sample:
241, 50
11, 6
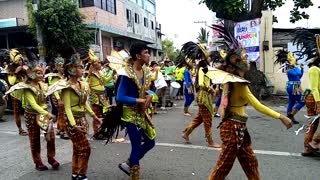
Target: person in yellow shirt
96, 80
310, 44
32, 94
179, 74
56, 97
74, 94
15, 76
312, 100
236, 142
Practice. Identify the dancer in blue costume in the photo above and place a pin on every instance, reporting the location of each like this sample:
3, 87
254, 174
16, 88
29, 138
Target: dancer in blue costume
294, 90
135, 81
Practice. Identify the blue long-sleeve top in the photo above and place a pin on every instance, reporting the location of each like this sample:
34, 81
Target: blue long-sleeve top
187, 78
295, 74
127, 92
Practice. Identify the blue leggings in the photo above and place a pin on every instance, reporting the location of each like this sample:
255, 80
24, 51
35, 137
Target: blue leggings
189, 98
218, 101
138, 150
293, 99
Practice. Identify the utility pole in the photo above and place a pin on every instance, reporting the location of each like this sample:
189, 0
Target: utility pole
41, 48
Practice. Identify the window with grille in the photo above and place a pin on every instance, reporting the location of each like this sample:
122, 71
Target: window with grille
145, 22
111, 6
136, 18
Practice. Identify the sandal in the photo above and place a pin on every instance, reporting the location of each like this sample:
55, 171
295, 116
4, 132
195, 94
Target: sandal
312, 148
22, 132
310, 154
54, 164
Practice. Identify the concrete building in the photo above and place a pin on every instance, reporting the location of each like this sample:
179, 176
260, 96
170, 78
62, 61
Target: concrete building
13, 25
115, 22
123, 22
275, 39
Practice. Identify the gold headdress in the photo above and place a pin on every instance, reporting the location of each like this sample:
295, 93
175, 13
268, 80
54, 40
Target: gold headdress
92, 57
291, 59
236, 55
195, 51
59, 61
75, 62
15, 56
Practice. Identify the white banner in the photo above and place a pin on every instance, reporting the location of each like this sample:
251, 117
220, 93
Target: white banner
248, 34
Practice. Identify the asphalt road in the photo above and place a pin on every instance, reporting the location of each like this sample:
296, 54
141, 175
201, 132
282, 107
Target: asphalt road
278, 152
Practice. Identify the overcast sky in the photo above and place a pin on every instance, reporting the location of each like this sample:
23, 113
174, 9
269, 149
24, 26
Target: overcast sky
178, 16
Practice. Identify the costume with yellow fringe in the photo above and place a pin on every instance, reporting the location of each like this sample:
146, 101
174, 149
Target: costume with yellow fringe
288, 61
205, 92
74, 97
16, 60
32, 94
96, 81
56, 97
309, 45
236, 141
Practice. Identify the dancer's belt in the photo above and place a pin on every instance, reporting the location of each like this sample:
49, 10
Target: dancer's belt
97, 92
79, 113
294, 82
236, 118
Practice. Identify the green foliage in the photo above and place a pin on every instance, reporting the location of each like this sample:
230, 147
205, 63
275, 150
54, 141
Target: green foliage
61, 24
237, 10
169, 49
203, 36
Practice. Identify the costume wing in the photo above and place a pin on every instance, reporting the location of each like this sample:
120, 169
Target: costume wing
59, 85
220, 77
16, 90
118, 59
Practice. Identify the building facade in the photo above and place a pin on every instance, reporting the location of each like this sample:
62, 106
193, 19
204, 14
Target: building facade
123, 22
114, 22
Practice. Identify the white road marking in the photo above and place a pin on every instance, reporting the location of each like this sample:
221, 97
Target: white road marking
189, 146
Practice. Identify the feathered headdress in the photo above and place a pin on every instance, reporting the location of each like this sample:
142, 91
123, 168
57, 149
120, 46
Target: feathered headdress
218, 56
285, 59
73, 59
236, 54
308, 43
194, 51
32, 63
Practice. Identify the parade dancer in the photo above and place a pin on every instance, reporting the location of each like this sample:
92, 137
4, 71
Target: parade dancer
96, 80
135, 81
74, 93
56, 97
236, 142
15, 76
32, 93
310, 47
288, 61
205, 93
189, 87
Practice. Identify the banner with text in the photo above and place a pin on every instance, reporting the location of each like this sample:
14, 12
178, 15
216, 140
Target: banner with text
248, 34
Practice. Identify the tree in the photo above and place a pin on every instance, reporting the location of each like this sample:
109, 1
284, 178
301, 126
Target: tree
61, 24
241, 10
203, 36
169, 49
